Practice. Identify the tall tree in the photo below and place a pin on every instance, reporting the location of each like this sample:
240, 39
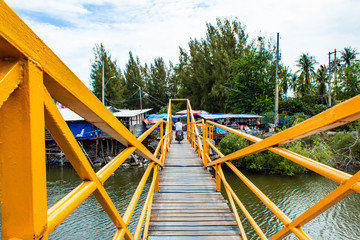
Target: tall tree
134, 82
113, 78
157, 85
204, 70
307, 71
349, 82
174, 81
348, 55
285, 80
321, 81
251, 88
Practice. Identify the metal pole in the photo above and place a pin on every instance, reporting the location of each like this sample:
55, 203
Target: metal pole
329, 83
103, 88
335, 72
277, 82
140, 99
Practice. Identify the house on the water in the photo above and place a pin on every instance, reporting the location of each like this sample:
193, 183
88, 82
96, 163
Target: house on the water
85, 130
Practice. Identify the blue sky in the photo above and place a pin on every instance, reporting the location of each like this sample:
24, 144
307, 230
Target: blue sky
152, 28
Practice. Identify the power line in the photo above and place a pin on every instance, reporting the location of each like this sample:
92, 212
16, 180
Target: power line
155, 103
154, 98
119, 102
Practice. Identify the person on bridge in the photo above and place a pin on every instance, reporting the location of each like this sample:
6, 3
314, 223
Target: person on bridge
179, 127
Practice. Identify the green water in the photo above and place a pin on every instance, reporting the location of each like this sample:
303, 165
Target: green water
292, 194
89, 221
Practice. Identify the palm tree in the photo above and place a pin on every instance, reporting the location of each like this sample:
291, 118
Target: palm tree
285, 80
293, 82
348, 55
321, 80
306, 64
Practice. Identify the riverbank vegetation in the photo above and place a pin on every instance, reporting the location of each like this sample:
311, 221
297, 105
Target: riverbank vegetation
229, 71
339, 149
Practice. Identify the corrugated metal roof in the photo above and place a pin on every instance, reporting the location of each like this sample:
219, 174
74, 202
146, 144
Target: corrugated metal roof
131, 113
222, 116
70, 116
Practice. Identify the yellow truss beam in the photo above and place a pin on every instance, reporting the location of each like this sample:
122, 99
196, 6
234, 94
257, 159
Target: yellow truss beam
341, 114
22, 158
11, 74
61, 133
63, 84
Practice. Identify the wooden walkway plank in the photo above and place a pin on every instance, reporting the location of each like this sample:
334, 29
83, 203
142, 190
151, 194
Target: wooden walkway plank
187, 206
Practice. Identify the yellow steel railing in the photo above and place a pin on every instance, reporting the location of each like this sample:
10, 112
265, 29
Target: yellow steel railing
31, 76
339, 115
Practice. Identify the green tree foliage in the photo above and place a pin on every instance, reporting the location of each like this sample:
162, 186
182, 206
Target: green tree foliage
134, 80
295, 105
349, 82
251, 88
307, 71
113, 78
270, 162
285, 81
348, 55
158, 84
205, 69
321, 80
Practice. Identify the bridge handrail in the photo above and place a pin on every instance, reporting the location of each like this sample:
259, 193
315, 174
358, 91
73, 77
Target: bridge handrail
31, 76
338, 115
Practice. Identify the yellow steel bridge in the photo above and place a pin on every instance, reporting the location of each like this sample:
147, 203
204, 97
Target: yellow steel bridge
31, 76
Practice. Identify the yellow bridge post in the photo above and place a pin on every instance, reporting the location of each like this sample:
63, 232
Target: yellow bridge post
22, 159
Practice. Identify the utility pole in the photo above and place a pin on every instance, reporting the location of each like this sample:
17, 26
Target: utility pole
335, 72
329, 83
140, 96
140, 99
277, 82
103, 88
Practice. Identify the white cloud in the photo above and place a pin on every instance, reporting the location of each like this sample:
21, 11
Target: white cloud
157, 28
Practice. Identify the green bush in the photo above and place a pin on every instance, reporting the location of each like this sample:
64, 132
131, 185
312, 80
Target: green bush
231, 143
270, 162
294, 105
346, 147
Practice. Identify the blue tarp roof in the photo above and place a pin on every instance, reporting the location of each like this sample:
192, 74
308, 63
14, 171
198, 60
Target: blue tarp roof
163, 116
82, 129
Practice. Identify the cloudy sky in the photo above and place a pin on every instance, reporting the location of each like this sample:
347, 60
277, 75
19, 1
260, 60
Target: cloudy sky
152, 28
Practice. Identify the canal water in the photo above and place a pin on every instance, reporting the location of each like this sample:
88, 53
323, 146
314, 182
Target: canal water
292, 194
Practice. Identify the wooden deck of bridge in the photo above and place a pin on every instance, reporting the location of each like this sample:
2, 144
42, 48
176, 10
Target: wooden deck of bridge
187, 206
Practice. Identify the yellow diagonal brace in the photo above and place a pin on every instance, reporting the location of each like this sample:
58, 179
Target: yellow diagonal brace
11, 74
341, 114
105, 201
148, 201
63, 84
328, 201
64, 207
61, 133
130, 209
315, 166
63, 136
22, 159
107, 170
